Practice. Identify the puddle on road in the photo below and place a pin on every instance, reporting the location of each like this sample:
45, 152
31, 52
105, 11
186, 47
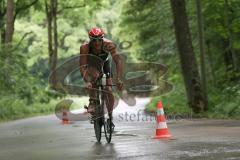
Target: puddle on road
201, 150
75, 126
125, 134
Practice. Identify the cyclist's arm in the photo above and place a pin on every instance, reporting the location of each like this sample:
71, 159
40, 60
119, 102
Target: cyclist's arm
83, 63
111, 47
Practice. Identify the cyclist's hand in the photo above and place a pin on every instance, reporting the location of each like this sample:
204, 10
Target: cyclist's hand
93, 72
119, 85
89, 85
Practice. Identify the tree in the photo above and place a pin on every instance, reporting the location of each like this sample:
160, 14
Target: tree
13, 10
222, 36
2, 21
235, 63
147, 21
51, 14
189, 66
202, 48
10, 21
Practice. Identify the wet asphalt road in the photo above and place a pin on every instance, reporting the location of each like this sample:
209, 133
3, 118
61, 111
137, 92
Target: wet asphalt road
44, 138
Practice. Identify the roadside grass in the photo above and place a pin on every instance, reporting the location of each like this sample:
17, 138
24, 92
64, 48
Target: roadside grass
12, 108
221, 105
174, 103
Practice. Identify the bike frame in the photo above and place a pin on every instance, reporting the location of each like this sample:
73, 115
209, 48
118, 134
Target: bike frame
100, 118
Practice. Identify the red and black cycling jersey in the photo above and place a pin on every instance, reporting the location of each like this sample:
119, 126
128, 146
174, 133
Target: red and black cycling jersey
100, 61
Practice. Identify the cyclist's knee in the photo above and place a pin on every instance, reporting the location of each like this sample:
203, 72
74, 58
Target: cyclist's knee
108, 89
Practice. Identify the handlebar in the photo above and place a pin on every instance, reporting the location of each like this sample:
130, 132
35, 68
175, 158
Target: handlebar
110, 85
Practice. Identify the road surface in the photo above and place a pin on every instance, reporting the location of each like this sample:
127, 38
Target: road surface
44, 138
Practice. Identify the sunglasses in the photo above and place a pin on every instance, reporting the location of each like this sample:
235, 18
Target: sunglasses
96, 38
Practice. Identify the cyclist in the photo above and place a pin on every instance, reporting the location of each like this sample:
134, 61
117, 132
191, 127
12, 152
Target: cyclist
94, 57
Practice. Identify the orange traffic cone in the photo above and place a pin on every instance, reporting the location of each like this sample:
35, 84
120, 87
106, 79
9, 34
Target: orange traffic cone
162, 130
65, 119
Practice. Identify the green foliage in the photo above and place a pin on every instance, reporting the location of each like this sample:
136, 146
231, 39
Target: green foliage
222, 104
12, 69
225, 103
174, 102
222, 36
216, 14
16, 79
21, 93
12, 107
24, 67
148, 26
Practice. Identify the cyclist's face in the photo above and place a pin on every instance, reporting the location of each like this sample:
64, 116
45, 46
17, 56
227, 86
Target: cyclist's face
97, 43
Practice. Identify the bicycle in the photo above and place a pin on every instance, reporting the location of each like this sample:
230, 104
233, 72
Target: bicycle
100, 118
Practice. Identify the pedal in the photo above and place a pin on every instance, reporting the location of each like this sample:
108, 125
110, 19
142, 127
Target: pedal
91, 119
113, 126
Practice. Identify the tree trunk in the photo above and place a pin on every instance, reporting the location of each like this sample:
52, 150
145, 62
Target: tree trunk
51, 14
202, 49
17, 8
231, 55
55, 36
210, 61
2, 21
10, 22
188, 61
230, 38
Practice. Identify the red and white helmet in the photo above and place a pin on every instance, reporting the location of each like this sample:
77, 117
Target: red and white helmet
96, 33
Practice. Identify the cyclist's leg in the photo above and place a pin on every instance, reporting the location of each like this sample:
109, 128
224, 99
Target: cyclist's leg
109, 100
108, 90
109, 96
93, 99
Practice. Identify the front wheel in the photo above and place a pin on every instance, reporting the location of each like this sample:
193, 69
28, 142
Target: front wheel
108, 128
98, 128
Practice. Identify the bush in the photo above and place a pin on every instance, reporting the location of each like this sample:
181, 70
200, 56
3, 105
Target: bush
174, 102
11, 107
222, 104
